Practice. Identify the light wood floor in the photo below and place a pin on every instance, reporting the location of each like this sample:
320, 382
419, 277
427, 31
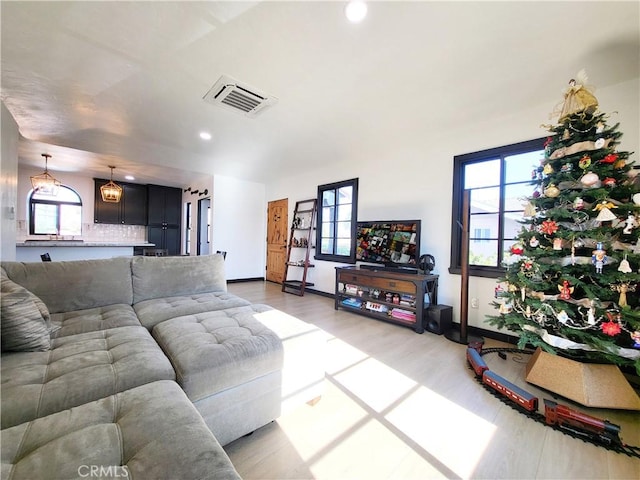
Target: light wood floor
399, 405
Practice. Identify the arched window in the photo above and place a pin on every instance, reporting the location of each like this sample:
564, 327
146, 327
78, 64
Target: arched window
59, 215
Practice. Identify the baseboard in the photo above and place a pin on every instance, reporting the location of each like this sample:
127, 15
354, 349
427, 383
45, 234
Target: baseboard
240, 280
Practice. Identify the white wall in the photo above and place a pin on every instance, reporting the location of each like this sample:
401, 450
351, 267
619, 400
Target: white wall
239, 226
8, 185
408, 174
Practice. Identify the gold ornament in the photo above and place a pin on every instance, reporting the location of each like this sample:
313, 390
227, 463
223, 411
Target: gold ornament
551, 191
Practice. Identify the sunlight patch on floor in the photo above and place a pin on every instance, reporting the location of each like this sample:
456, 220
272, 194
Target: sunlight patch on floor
455, 436
386, 428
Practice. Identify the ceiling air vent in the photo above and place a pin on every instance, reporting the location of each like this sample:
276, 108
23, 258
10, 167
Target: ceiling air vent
233, 95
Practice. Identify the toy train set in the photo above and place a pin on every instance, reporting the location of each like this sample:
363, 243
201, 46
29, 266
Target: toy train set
560, 417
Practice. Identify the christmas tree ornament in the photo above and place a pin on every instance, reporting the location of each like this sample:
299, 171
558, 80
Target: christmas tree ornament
599, 127
548, 169
557, 243
622, 289
549, 227
609, 182
600, 143
566, 135
624, 266
611, 158
590, 180
566, 168
562, 317
636, 198
517, 249
611, 328
551, 191
565, 290
635, 336
630, 223
534, 242
619, 164
578, 98
605, 215
529, 210
578, 203
599, 257
584, 162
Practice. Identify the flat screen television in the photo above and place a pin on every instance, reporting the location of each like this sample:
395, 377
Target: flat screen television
394, 244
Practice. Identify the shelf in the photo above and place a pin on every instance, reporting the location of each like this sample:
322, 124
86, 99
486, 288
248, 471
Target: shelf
296, 284
368, 298
381, 316
294, 264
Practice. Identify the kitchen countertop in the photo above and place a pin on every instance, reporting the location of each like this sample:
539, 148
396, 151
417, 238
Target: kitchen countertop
80, 243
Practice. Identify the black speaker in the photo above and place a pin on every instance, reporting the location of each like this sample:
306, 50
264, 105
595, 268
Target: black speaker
438, 319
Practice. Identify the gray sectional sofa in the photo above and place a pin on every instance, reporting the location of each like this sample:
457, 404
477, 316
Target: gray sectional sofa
141, 367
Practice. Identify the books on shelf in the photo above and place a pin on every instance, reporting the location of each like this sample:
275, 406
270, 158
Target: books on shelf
352, 302
402, 314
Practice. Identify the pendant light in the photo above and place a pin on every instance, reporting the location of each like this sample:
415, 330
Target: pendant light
111, 192
45, 184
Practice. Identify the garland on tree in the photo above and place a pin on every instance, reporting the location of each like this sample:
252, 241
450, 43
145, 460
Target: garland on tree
571, 280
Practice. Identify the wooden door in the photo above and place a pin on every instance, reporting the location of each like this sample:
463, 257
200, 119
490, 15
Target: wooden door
277, 229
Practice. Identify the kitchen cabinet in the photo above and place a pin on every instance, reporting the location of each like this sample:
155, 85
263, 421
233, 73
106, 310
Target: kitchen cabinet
130, 210
164, 215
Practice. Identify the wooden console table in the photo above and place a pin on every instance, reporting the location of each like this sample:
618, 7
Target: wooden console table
384, 295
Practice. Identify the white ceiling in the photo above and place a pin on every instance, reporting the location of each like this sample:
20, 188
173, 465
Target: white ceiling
121, 83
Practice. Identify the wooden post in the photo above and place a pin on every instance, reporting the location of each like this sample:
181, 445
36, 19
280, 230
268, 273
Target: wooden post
461, 336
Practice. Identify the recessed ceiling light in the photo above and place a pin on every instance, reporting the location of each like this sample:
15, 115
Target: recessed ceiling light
129, 177
205, 135
355, 11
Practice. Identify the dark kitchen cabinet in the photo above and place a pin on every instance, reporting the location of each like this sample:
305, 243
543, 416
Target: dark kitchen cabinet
164, 211
130, 210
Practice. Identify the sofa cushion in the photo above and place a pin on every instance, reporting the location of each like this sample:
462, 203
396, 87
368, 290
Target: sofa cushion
214, 351
93, 319
75, 285
8, 286
78, 369
23, 327
152, 312
157, 277
152, 431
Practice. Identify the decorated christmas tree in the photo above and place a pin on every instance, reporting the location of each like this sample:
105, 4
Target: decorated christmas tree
572, 277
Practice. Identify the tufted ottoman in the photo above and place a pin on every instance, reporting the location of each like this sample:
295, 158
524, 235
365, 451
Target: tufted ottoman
229, 365
150, 432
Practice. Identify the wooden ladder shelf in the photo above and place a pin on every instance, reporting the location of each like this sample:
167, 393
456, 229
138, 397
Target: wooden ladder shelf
303, 224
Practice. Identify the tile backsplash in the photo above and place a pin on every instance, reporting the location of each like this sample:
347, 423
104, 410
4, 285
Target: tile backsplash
95, 232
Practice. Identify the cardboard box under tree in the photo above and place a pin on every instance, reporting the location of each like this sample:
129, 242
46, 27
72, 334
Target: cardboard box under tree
590, 384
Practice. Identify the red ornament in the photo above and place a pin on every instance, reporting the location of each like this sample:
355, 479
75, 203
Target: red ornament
517, 249
548, 141
611, 328
609, 182
611, 158
549, 227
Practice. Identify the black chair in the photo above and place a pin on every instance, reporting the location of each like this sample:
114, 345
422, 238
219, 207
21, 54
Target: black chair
155, 252
223, 253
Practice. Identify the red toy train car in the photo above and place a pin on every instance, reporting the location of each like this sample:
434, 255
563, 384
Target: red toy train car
581, 423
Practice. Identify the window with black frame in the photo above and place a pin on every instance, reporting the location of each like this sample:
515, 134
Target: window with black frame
336, 224
498, 181
55, 215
